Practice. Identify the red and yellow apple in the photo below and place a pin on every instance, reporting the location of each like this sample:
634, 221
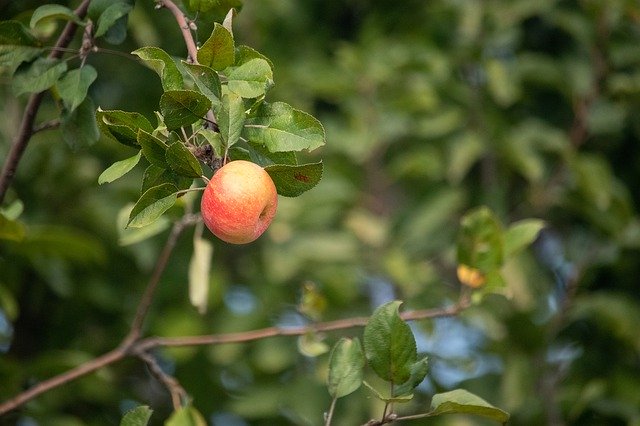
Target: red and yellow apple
239, 202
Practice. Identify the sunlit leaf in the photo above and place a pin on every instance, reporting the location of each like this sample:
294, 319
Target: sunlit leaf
460, 401
119, 169
218, 50
231, 117
280, 127
251, 79
186, 416
152, 204
138, 416
521, 234
160, 61
53, 11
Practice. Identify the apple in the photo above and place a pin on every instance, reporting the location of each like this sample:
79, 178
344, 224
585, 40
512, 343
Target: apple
239, 202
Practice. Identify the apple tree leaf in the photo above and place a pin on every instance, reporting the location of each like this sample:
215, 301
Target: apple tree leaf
186, 416
293, 180
138, 416
122, 126
346, 367
74, 85
152, 204
419, 371
39, 76
280, 127
154, 176
182, 161
231, 116
162, 63
53, 11
110, 13
251, 79
17, 45
480, 241
460, 401
11, 229
389, 344
183, 107
119, 169
79, 127
206, 79
153, 148
218, 50
520, 234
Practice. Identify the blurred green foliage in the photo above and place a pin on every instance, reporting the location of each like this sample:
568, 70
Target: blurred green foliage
431, 109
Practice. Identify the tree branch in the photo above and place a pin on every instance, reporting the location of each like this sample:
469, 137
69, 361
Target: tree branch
177, 392
33, 105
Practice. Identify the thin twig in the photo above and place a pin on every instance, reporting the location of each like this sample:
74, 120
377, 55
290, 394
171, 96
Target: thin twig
33, 105
177, 392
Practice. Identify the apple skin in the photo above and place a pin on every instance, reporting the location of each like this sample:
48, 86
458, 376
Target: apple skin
239, 202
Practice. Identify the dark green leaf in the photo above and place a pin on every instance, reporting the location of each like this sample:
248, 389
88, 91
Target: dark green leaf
230, 116
480, 240
280, 127
206, 79
218, 51
346, 366
74, 85
110, 15
160, 61
183, 107
217, 8
39, 76
186, 416
521, 234
53, 11
260, 155
182, 161
152, 204
154, 176
17, 45
153, 149
460, 401
251, 79
419, 371
138, 416
122, 126
119, 169
292, 181
79, 128
11, 229
389, 344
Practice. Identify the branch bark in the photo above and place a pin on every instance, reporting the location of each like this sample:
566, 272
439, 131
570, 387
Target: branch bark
33, 105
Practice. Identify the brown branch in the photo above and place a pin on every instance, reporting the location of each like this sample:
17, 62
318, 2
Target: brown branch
33, 105
177, 392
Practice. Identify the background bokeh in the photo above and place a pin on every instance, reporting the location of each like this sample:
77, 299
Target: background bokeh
431, 108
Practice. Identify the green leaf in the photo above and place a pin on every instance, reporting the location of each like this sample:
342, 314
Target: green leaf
521, 234
154, 176
160, 61
138, 416
230, 116
389, 344
215, 7
480, 240
251, 79
460, 401
183, 107
386, 398
346, 367
182, 161
260, 155
153, 149
218, 51
17, 45
152, 204
119, 169
39, 76
129, 236
110, 16
186, 416
199, 270
79, 128
11, 229
122, 126
53, 11
206, 79
74, 85
245, 53
312, 344
280, 127
292, 181
419, 371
